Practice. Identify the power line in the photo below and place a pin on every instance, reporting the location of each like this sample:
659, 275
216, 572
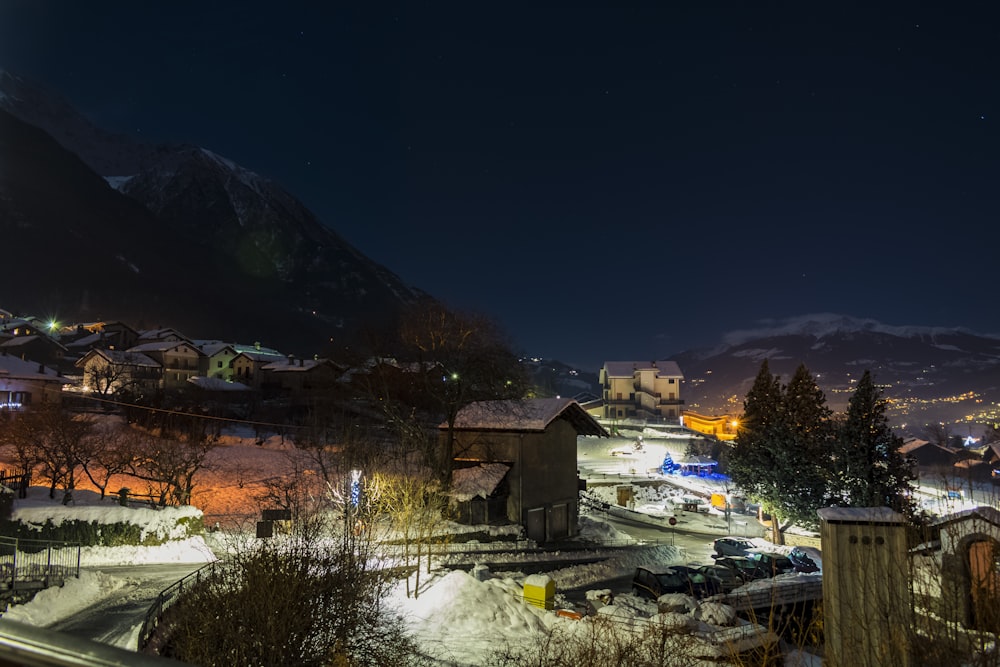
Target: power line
181, 413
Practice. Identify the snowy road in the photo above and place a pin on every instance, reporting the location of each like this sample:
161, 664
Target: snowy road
116, 620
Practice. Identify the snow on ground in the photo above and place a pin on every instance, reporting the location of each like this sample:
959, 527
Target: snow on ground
55, 604
457, 616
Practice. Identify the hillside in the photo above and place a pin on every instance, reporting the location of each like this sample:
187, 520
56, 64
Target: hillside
930, 375
171, 235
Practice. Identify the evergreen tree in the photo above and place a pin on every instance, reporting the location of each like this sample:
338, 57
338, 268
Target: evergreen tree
806, 459
752, 464
872, 472
782, 452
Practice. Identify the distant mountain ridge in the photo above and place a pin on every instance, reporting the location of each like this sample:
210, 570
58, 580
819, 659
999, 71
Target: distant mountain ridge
930, 374
173, 234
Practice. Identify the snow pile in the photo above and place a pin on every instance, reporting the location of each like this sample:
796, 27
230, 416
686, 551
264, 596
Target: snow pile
54, 604
161, 522
461, 619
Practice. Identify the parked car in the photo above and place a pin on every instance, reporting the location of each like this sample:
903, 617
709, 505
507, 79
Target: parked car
743, 567
720, 579
653, 581
733, 546
802, 561
772, 564
691, 503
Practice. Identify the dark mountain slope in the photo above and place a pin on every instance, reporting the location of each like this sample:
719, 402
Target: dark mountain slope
190, 240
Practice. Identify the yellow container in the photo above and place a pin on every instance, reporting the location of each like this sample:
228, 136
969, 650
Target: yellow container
540, 591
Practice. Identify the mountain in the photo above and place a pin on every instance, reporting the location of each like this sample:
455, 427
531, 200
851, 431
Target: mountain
930, 375
104, 227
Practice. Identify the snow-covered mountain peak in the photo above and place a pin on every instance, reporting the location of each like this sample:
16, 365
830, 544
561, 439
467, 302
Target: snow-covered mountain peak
820, 325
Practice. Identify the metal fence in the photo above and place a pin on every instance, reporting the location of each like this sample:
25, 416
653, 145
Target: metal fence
168, 596
16, 480
27, 564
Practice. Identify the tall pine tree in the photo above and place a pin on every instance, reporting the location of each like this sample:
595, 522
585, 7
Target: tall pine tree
808, 451
782, 452
872, 472
752, 465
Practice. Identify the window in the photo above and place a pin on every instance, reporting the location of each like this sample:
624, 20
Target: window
219, 364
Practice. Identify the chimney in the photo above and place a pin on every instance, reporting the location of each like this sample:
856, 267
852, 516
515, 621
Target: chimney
302, 362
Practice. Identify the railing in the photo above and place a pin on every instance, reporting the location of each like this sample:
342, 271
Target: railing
24, 645
168, 596
36, 563
16, 480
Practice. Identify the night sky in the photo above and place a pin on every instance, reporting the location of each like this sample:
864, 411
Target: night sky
608, 183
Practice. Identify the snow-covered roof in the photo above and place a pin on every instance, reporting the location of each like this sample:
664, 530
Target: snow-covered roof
860, 515
530, 414
621, 369
697, 460
480, 480
162, 346
212, 347
86, 341
123, 358
160, 334
217, 384
261, 356
17, 341
989, 514
15, 368
294, 365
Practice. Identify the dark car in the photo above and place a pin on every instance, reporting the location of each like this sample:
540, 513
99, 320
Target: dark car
744, 568
720, 579
652, 582
802, 561
732, 546
772, 564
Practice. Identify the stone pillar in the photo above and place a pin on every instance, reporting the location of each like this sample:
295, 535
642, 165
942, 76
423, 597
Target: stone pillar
866, 593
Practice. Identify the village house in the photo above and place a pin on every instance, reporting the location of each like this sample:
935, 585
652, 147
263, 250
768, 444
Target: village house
37, 347
217, 359
24, 383
180, 360
515, 461
648, 390
247, 365
294, 376
109, 372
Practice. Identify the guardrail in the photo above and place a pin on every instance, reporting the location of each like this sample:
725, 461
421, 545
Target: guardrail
168, 596
36, 564
24, 645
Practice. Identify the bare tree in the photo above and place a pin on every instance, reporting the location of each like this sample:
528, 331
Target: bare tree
53, 441
112, 453
415, 510
170, 465
938, 434
116, 373
442, 361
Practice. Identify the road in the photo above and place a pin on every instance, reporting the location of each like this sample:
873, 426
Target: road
697, 548
115, 620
